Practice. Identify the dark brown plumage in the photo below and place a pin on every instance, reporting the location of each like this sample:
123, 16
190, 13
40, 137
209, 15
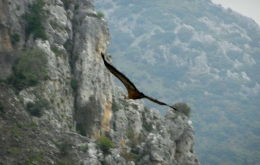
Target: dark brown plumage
133, 92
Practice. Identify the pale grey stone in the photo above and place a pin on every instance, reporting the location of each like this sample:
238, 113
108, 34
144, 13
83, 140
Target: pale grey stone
140, 135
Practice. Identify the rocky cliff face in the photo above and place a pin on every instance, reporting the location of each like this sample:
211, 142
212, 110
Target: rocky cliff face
59, 119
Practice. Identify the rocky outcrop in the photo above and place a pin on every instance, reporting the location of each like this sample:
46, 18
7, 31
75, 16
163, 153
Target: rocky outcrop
80, 102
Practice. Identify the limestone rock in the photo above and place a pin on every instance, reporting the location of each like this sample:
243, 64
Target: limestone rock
84, 102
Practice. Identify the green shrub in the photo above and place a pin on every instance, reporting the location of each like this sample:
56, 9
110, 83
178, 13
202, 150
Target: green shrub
129, 156
100, 15
14, 151
103, 162
34, 20
34, 125
74, 84
56, 25
57, 51
74, 57
29, 69
76, 6
64, 148
115, 107
85, 148
80, 129
15, 38
36, 109
104, 144
183, 108
34, 159
134, 138
147, 127
62, 163
114, 126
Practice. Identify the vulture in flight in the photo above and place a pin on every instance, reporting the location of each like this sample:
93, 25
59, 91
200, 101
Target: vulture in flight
133, 92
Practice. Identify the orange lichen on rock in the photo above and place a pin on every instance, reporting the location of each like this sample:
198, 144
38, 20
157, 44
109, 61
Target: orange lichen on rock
96, 134
5, 40
122, 142
107, 115
99, 46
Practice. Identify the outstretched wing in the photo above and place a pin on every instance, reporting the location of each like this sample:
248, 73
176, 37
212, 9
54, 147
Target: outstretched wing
128, 84
159, 102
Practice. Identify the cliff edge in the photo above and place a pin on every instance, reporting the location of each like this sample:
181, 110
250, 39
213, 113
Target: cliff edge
59, 104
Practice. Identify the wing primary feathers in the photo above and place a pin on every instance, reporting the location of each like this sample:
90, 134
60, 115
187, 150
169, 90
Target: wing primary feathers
128, 84
159, 102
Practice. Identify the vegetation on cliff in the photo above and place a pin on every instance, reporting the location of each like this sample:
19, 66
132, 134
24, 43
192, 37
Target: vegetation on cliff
34, 19
29, 69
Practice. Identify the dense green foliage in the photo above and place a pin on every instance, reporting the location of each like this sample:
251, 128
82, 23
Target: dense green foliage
74, 85
129, 156
64, 147
199, 53
104, 144
15, 38
29, 69
81, 129
34, 20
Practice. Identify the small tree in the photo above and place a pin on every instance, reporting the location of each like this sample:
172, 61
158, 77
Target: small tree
36, 109
74, 85
34, 19
64, 146
80, 129
100, 15
15, 38
104, 144
184, 108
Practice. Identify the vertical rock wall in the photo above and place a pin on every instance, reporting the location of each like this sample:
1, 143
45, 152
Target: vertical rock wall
94, 95
82, 96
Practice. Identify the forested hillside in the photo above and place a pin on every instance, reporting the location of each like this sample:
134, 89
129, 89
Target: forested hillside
59, 104
196, 52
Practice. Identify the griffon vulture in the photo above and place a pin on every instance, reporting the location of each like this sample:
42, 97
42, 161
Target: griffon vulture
133, 92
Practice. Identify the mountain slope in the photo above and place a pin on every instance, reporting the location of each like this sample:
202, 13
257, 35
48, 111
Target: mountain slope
200, 53
58, 102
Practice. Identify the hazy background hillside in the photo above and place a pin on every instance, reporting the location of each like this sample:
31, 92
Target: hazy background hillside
196, 52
